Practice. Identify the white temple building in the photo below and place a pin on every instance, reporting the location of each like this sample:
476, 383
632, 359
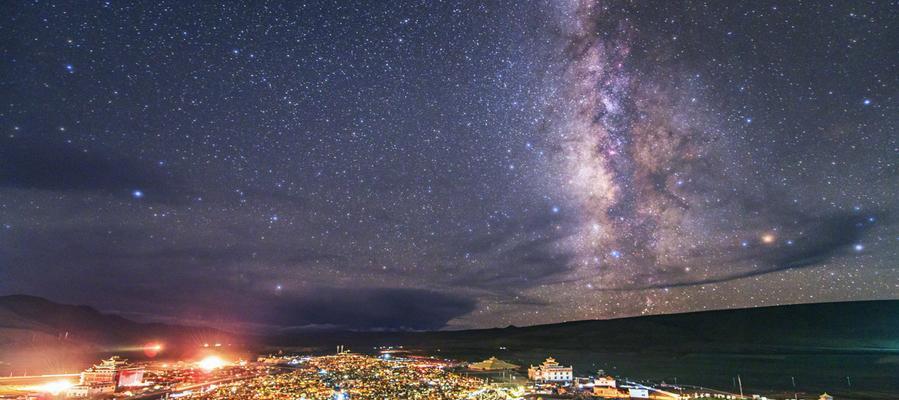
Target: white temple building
550, 371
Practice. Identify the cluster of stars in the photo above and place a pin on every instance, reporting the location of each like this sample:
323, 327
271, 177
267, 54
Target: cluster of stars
548, 160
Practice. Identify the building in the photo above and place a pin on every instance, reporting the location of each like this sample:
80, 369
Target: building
605, 381
103, 373
85, 391
492, 364
638, 393
106, 377
130, 377
607, 387
825, 396
550, 371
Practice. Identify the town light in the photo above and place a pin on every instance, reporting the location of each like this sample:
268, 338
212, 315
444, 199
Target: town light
55, 387
152, 349
210, 363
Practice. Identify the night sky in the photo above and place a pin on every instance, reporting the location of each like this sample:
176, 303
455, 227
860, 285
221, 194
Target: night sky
437, 165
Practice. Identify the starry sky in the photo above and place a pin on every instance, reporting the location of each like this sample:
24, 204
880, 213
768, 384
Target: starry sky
440, 165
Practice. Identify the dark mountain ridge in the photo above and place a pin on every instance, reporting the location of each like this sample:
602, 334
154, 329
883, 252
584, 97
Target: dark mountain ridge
85, 324
37, 334
816, 345
844, 326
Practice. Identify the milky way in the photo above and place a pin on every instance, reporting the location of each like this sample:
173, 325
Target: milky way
441, 165
644, 158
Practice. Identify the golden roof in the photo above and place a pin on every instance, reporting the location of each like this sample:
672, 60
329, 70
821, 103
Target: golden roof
492, 364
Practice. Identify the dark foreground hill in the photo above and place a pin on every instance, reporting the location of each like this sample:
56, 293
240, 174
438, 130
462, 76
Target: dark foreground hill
849, 327
39, 335
850, 348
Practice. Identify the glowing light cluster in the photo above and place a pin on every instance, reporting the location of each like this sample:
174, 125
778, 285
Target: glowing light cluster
54, 388
211, 363
152, 349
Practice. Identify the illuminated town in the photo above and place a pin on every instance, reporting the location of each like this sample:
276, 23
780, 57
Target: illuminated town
384, 374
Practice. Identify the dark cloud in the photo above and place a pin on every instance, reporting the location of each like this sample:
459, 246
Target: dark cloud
504, 233
117, 251
367, 308
823, 240
522, 253
339, 308
305, 256
318, 307
36, 164
530, 263
223, 284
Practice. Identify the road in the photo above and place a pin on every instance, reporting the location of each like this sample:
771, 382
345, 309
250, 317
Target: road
33, 379
158, 394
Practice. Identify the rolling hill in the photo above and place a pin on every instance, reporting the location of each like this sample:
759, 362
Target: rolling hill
849, 348
39, 335
863, 326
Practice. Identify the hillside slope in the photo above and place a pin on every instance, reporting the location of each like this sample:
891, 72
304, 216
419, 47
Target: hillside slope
40, 335
848, 326
817, 346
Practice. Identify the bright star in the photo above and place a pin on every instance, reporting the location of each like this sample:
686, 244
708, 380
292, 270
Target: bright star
137, 194
859, 247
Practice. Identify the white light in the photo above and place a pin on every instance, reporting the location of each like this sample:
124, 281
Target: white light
210, 363
55, 387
